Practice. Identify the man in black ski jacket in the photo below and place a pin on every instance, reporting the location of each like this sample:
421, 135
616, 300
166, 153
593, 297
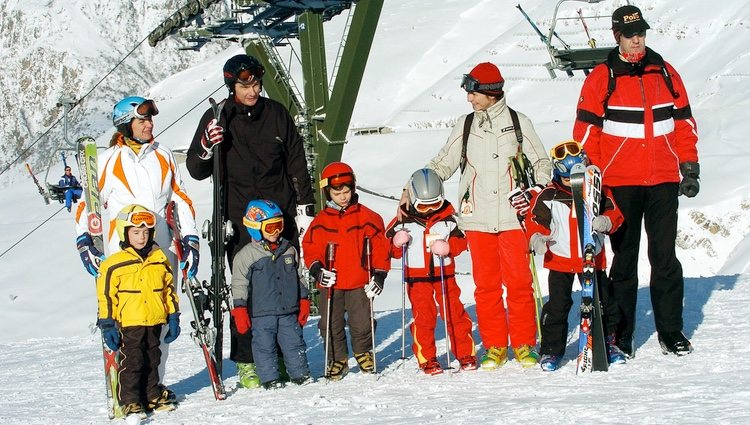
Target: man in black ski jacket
264, 158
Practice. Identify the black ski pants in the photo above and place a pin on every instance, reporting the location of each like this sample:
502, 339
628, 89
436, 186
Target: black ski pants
655, 207
139, 364
556, 309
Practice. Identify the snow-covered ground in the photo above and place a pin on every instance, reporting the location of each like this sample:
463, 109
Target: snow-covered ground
50, 361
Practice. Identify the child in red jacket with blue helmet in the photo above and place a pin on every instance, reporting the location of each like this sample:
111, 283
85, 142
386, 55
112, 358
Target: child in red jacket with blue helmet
553, 229
427, 233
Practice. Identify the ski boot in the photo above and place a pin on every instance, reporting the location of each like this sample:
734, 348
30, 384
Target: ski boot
625, 344
337, 370
431, 367
468, 363
494, 358
162, 402
135, 409
273, 385
247, 376
614, 354
550, 362
366, 362
526, 355
303, 380
675, 343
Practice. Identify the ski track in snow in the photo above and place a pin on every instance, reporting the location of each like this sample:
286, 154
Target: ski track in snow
65, 376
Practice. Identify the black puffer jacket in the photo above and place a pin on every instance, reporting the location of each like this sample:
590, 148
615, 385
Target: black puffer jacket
265, 158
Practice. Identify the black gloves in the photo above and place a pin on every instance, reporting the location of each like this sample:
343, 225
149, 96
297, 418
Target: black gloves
690, 184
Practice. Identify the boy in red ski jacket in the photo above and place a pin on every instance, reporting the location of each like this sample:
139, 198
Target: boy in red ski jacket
354, 278
429, 232
553, 229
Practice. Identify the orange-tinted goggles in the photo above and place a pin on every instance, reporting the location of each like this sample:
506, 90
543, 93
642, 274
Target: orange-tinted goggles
337, 181
139, 218
564, 149
272, 226
425, 207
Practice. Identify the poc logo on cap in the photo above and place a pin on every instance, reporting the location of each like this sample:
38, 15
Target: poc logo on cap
633, 17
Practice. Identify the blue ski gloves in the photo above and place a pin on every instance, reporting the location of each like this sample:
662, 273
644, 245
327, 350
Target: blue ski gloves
110, 333
90, 256
690, 184
173, 321
190, 255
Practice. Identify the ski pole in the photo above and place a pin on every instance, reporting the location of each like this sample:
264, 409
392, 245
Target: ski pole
403, 302
592, 42
368, 254
445, 311
330, 256
537, 297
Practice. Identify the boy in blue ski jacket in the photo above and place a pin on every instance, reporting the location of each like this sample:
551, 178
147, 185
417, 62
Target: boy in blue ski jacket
269, 297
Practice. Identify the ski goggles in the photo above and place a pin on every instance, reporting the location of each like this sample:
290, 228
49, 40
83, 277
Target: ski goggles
571, 147
138, 218
145, 110
337, 181
272, 226
471, 84
424, 207
248, 75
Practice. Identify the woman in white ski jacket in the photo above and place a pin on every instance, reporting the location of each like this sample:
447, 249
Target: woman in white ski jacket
498, 246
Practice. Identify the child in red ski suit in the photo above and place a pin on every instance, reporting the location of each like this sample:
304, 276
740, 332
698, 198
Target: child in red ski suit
346, 224
427, 233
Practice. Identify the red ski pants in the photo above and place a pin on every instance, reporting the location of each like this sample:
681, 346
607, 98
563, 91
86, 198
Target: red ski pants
423, 297
502, 259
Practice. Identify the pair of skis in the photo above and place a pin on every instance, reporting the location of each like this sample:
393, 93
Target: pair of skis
203, 335
90, 183
592, 350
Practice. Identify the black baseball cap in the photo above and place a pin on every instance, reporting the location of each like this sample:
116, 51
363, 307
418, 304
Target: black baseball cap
628, 20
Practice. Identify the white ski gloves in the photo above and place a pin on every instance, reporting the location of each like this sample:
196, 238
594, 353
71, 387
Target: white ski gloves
304, 218
601, 224
538, 243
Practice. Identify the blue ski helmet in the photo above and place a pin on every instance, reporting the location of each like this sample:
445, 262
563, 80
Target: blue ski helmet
564, 156
133, 107
256, 213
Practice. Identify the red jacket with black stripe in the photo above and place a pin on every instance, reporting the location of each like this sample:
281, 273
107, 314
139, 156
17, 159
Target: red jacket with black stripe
641, 134
347, 229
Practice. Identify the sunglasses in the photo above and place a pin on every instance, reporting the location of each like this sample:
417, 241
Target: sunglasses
139, 218
639, 34
564, 149
146, 110
424, 207
337, 181
471, 84
272, 226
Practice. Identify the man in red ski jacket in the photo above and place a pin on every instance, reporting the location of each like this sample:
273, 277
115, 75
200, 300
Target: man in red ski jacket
634, 120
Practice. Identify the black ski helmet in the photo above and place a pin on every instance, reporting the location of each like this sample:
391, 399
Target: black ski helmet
242, 68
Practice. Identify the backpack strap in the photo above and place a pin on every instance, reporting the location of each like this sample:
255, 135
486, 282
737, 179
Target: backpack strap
467, 129
516, 128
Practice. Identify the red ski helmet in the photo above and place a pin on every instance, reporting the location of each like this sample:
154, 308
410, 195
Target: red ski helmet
335, 175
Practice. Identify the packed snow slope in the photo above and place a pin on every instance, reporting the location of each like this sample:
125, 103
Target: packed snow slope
50, 361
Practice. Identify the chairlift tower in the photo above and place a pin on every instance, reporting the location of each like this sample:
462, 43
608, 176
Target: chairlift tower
322, 113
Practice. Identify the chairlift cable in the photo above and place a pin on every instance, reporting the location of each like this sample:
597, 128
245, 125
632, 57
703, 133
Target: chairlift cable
32, 231
7, 167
